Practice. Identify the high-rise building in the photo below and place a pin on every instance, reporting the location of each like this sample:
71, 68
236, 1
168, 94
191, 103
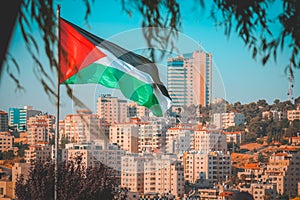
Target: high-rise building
3, 121
190, 79
111, 109
18, 117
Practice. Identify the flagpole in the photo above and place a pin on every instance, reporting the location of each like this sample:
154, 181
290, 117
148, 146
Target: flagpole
57, 106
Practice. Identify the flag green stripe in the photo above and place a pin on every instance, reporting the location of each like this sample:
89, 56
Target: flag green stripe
131, 87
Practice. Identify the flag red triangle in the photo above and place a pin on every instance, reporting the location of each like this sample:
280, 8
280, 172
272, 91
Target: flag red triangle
76, 51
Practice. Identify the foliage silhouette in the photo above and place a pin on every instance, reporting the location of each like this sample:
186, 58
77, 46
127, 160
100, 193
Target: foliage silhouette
75, 181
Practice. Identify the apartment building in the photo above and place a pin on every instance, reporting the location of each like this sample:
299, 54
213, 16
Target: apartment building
151, 136
18, 117
6, 141
209, 140
81, 127
206, 168
132, 171
164, 175
283, 169
125, 135
294, 114
261, 191
112, 109
39, 127
179, 140
225, 120
95, 153
235, 137
274, 114
39, 152
252, 173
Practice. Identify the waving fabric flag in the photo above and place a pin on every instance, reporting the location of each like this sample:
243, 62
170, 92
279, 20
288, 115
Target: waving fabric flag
86, 58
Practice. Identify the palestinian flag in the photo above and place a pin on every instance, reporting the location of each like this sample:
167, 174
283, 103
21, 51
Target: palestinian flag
86, 58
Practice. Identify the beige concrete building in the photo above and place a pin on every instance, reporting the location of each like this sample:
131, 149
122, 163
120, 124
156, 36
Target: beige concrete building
274, 114
132, 172
81, 127
151, 136
294, 114
125, 135
252, 173
225, 120
261, 191
164, 175
209, 140
206, 168
179, 140
39, 127
19, 169
235, 137
283, 170
135, 110
6, 141
39, 152
190, 78
7, 190
111, 109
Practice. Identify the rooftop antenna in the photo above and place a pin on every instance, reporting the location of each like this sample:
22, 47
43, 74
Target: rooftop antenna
291, 84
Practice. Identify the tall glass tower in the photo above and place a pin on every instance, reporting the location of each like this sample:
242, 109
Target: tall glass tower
190, 79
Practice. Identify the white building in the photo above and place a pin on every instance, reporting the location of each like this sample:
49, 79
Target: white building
225, 120
274, 114
95, 153
179, 140
151, 136
209, 140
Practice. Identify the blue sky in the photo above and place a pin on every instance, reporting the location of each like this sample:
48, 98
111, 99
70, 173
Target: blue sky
242, 78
